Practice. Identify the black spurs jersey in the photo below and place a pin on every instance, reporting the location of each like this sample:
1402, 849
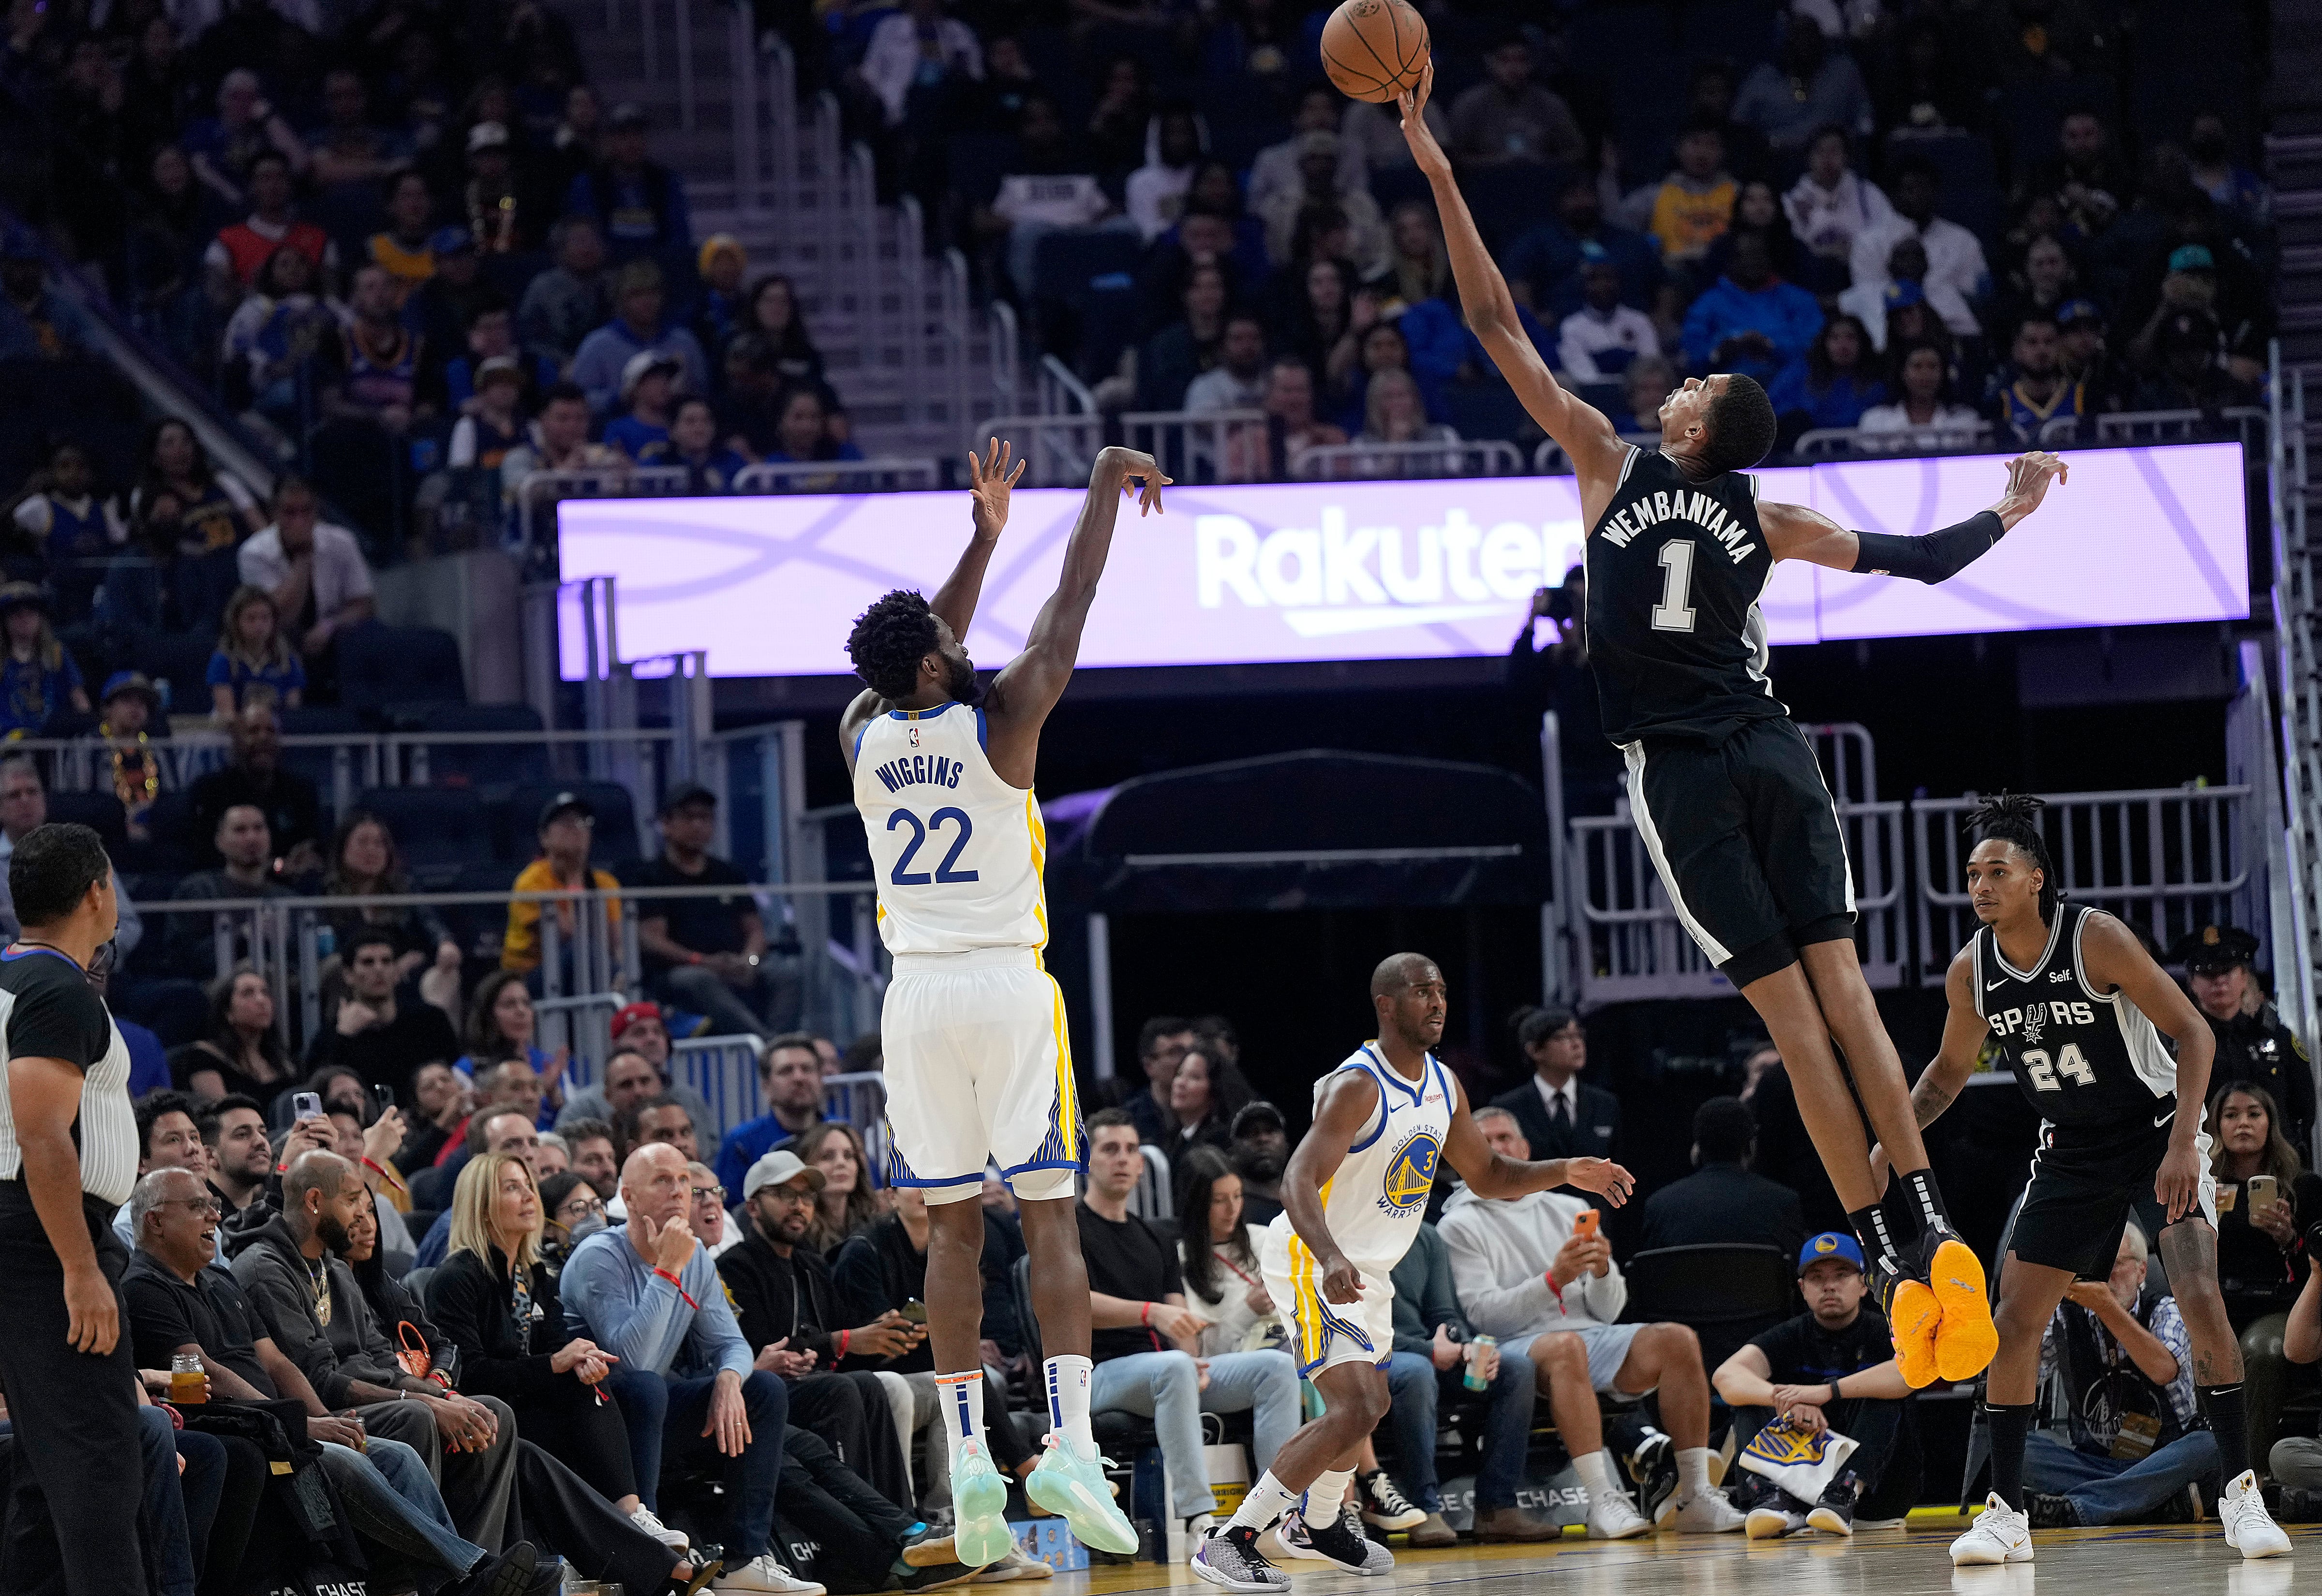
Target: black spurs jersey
1675, 568
2087, 1061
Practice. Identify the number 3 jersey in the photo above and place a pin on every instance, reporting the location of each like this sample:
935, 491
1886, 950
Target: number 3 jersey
2086, 1060
956, 851
1675, 571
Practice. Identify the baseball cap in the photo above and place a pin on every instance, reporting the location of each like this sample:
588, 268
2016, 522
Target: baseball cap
129, 681
630, 1014
2214, 949
1831, 1243
686, 792
488, 135
1253, 1113
778, 1168
497, 367
2192, 258
566, 803
642, 364
1899, 294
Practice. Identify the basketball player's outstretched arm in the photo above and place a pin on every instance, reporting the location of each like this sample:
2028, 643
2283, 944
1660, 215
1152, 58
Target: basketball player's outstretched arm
1793, 531
2114, 961
1580, 430
1492, 1174
990, 482
1021, 696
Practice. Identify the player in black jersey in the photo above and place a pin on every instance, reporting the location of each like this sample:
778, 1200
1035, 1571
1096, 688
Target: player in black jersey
1723, 788
2072, 1001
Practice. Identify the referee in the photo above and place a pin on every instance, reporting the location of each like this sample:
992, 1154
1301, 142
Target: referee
67, 1161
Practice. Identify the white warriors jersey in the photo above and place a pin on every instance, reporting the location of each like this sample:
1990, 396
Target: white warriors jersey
1373, 1205
956, 852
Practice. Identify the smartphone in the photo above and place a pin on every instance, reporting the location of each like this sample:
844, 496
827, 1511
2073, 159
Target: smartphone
915, 1311
2263, 1189
384, 1096
1586, 1225
306, 1104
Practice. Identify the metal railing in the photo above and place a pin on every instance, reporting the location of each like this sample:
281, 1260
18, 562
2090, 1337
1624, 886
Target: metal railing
2297, 614
2165, 859
1201, 445
1827, 442
1549, 459
884, 474
1058, 450
1338, 462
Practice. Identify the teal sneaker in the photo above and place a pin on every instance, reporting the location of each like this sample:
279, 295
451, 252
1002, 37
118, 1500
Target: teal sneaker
979, 1500
1076, 1491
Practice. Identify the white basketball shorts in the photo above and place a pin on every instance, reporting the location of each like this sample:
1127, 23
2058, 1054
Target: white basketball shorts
1323, 1333
979, 1070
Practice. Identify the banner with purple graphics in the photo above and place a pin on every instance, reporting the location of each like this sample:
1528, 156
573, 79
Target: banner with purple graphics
1362, 571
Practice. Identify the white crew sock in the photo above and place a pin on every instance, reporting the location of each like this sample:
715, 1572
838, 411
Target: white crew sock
1692, 1472
1068, 1404
960, 1398
1327, 1496
1596, 1472
1267, 1501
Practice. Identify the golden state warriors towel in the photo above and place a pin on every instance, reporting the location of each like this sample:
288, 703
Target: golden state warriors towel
1802, 1463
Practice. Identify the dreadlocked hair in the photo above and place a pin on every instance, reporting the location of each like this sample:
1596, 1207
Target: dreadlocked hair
889, 641
2013, 818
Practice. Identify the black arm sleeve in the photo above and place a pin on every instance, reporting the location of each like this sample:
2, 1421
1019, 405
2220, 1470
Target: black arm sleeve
1936, 557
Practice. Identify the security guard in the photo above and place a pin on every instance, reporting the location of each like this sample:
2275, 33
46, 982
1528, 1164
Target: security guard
2252, 1043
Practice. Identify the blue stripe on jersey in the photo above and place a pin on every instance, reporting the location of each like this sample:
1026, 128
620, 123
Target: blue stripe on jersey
982, 731
1416, 1090
1380, 1129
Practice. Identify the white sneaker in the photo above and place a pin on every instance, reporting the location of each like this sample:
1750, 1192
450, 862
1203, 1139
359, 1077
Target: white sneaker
2250, 1529
676, 1540
762, 1573
2000, 1533
1709, 1513
1613, 1517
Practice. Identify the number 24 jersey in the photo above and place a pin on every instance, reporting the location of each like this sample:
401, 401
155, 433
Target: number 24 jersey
2087, 1060
956, 851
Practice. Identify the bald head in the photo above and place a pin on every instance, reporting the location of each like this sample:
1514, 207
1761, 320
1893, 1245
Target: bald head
654, 1182
317, 1172
1399, 973
319, 1200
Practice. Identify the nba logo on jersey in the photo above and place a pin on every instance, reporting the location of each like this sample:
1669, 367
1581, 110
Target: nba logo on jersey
915, 734
1411, 1173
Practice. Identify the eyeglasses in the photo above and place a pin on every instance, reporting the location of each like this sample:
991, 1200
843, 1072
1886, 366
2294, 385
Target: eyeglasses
580, 1207
208, 1207
797, 1194
717, 1192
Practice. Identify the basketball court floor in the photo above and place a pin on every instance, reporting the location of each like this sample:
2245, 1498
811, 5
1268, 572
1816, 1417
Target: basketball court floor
2177, 1560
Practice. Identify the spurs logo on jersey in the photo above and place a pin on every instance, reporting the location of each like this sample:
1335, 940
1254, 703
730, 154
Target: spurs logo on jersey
2087, 1059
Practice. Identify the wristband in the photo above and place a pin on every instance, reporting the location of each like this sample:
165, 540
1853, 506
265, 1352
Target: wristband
1144, 1314
679, 1284
1550, 1278
383, 1172
844, 1337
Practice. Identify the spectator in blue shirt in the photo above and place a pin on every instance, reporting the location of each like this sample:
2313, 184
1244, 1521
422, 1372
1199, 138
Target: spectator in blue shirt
252, 652
639, 202
36, 321
38, 675
1544, 263
637, 327
1833, 383
647, 383
649, 1294
1443, 349
789, 1081
1749, 320
692, 445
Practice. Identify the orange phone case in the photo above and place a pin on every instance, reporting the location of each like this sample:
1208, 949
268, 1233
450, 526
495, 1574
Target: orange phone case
1586, 1225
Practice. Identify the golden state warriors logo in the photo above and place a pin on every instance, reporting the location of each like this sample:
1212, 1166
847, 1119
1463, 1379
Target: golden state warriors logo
1411, 1173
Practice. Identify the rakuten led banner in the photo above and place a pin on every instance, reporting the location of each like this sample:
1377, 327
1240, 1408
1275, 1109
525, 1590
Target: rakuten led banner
1361, 571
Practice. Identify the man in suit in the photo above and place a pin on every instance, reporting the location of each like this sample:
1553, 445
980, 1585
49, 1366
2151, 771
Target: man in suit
1722, 1200
1560, 1116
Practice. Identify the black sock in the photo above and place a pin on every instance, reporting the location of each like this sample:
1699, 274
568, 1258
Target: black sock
2223, 1404
1871, 1230
2010, 1426
1926, 1201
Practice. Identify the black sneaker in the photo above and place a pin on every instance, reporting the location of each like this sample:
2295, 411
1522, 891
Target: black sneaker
504, 1573
1229, 1559
1834, 1513
1339, 1541
1652, 1470
1384, 1507
2051, 1512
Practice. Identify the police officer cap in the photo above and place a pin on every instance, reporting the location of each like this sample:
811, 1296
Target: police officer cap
2214, 949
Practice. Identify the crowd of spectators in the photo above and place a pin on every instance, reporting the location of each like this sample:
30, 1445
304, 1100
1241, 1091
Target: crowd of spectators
492, 1300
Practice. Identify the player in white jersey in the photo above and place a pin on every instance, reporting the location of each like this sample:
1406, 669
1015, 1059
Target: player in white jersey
978, 1066
1353, 1199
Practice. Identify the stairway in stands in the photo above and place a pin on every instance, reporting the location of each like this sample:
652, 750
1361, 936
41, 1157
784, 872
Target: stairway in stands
916, 365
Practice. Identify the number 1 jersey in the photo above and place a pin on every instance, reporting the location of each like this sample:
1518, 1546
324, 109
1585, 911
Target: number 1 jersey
1675, 571
956, 851
2087, 1060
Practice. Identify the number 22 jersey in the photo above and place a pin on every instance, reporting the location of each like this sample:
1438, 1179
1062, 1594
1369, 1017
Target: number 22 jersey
2087, 1061
956, 851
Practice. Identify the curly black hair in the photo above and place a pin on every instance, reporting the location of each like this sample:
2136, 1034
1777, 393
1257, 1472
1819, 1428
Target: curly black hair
1741, 425
2013, 818
889, 641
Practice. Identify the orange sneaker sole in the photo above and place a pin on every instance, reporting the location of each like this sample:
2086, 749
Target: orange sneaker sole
1917, 1317
1965, 1340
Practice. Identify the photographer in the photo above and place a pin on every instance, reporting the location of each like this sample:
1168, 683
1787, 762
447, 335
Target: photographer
1558, 677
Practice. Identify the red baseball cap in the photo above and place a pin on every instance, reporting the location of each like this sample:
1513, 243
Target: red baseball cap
623, 1019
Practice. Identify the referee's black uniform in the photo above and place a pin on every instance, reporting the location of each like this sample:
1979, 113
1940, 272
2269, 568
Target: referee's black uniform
76, 1476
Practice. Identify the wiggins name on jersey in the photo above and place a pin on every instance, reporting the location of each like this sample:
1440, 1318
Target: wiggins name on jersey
956, 852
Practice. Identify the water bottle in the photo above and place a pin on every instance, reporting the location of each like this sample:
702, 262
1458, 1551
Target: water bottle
1472, 1380
326, 940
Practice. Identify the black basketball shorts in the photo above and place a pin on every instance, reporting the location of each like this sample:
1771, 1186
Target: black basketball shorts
1747, 841
2084, 1182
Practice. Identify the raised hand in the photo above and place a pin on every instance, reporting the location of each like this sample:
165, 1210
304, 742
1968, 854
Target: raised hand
2028, 479
1424, 150
1146, 472
990, 482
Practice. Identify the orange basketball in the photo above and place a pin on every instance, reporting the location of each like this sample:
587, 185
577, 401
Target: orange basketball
1373, 50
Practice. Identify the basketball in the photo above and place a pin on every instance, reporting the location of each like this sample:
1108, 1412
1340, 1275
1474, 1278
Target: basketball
1375, 49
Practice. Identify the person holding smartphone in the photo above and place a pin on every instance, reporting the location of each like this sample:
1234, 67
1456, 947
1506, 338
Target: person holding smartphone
2262, 1223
